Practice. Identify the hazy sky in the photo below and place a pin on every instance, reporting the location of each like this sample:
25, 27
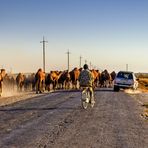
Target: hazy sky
107, 33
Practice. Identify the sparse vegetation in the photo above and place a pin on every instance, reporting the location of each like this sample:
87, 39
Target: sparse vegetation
146, 105
141, 75
143, 84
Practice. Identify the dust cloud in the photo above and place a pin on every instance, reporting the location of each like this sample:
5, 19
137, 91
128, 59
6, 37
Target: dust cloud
9, 93
130, 91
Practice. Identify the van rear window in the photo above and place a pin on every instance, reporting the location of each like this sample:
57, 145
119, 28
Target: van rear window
125, 75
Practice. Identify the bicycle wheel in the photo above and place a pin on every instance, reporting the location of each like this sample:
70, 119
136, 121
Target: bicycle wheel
85, 98
92, 101
92, 104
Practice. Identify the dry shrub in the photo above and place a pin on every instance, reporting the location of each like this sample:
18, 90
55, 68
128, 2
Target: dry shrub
143, 84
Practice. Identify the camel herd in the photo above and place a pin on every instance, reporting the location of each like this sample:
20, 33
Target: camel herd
41, 81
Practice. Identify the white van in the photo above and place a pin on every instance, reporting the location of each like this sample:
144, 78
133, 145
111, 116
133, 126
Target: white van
125, 79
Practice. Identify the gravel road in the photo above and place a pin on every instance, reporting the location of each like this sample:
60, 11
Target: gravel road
57, 120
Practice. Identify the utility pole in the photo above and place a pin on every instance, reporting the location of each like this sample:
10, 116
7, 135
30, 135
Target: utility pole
10, 70
126, 67
80, 60
43, 52
68, 58
90, 65
85, 61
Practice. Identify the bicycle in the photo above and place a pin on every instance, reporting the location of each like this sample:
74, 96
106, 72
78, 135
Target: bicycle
86, 97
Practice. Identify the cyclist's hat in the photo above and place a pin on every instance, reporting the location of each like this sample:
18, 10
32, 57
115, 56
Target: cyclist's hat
85, 66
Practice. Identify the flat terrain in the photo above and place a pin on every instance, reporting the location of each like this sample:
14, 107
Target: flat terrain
57, 120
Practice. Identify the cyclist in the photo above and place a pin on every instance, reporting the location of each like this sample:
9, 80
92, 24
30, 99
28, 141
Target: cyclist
86, 80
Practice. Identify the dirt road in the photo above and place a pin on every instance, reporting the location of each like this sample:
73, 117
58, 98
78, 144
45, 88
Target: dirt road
57, 120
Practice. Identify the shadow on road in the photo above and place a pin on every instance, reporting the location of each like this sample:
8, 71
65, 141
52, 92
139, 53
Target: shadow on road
79, 90
66, 91
38, 109
104, 89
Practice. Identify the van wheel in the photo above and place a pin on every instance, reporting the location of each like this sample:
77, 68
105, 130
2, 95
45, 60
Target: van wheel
116, 88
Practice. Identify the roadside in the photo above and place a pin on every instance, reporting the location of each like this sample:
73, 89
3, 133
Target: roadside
16, 97
143, 86
141, 95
